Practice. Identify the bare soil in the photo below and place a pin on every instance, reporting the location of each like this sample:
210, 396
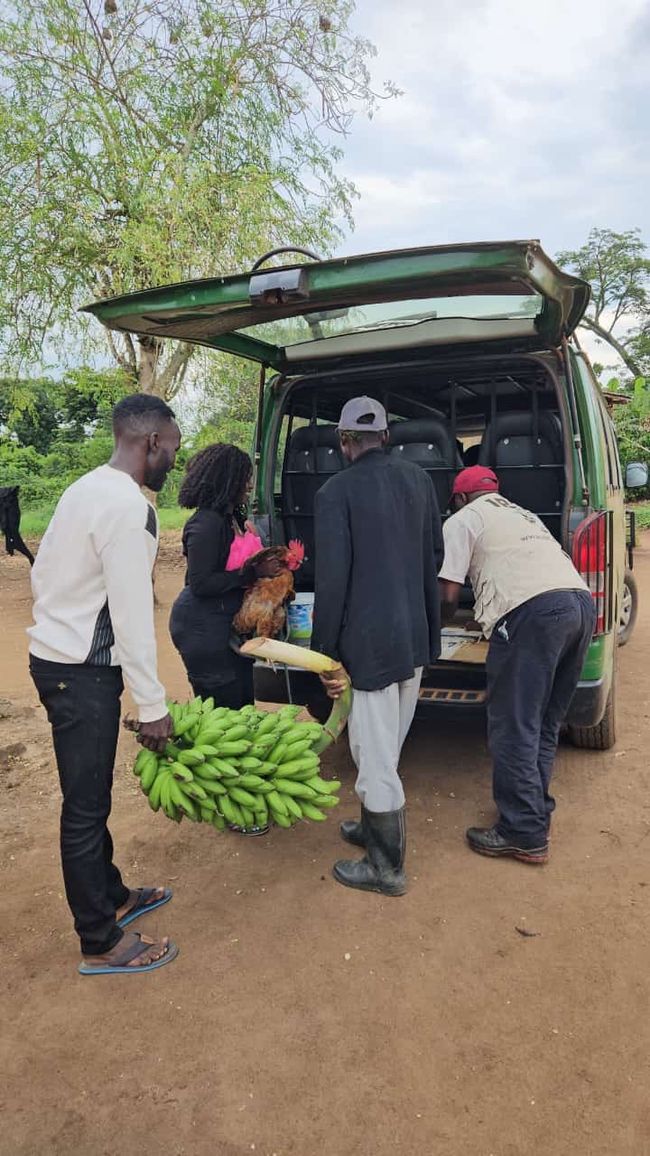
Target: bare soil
302, 1019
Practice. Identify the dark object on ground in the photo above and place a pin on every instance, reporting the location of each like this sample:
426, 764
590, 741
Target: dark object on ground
10, 522
489, 841
382, 867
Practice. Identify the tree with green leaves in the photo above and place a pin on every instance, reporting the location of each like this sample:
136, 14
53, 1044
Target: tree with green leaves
618, 269
153, 141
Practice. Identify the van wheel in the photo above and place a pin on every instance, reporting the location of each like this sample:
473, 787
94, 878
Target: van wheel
603, 736
629, 608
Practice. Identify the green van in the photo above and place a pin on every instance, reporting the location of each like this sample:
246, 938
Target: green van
472, 350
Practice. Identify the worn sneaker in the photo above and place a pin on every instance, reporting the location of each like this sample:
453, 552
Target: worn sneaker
488, 841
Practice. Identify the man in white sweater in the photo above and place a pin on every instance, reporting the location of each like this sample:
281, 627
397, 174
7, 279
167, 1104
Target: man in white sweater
93, 624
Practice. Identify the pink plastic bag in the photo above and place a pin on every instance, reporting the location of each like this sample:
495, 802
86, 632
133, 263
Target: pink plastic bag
244, 547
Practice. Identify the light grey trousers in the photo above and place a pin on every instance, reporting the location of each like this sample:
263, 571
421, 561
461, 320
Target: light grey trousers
378, 725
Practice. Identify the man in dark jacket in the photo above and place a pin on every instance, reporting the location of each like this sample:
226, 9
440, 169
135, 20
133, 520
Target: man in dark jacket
378, 550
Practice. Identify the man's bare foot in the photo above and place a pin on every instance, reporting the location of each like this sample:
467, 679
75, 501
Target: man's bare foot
118, 956
155, 897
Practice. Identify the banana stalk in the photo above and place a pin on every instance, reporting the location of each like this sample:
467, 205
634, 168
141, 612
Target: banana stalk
273, 651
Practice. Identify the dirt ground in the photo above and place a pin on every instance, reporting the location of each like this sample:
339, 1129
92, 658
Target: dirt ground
302, 1019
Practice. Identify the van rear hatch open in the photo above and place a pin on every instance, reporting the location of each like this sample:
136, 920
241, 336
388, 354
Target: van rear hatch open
297, 318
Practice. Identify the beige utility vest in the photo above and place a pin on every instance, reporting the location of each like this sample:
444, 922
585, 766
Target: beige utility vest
514, 559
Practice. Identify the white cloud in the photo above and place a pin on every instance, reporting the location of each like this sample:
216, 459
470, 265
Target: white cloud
515, 120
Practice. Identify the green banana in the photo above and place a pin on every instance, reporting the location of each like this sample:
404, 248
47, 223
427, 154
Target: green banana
293, 806
154, 792
295, 750
208, 736
238, 747
325, 801
236, 733
180, 800
282, 820
149, 773
261, 812
267, 725
311, 812
225, 768
288, 770
207, 771
275, 756
142, 760
181, 772
249, 763
244, 798
211, 786
289, 787
276, 803
191, 758
228, 809
194, 790
323, 786
252, 782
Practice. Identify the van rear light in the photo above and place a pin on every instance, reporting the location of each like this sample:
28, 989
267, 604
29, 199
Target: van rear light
592, 558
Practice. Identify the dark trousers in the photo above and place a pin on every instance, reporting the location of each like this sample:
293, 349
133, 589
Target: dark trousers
534, 662
83, 708
235, 694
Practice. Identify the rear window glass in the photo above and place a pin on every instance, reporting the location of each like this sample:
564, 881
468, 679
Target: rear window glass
395, 315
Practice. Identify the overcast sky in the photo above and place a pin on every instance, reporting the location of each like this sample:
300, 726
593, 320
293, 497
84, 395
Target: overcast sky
516, 120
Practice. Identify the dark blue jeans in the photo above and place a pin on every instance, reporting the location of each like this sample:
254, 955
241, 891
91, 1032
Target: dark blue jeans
83, 708
534, 662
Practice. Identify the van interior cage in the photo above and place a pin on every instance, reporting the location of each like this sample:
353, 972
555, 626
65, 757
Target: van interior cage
506, 419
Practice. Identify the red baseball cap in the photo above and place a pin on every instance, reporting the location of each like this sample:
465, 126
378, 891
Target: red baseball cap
476, 480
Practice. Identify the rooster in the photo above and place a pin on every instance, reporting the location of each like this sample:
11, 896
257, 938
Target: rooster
263, 611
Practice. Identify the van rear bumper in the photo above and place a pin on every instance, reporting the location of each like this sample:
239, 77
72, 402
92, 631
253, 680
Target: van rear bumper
586, 710
588, 703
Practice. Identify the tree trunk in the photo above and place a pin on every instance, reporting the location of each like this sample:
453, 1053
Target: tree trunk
150, 350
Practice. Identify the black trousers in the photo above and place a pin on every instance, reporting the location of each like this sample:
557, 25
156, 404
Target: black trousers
534, 662
83, 708
235, 694
201, 630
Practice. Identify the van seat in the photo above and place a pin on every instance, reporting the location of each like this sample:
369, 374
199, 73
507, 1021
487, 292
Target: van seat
530, 466
313, 455
430, 444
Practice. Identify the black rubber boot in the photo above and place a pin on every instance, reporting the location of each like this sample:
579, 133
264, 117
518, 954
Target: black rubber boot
353, 832
382, 867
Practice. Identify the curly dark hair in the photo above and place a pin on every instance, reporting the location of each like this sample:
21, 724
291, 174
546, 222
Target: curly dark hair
215, 478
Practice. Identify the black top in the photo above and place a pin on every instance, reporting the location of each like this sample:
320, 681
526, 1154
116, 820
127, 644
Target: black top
207, 538
379, 547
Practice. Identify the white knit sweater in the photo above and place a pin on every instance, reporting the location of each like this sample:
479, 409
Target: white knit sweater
91, 581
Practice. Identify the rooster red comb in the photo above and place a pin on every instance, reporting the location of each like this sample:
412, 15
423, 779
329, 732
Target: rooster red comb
295, 554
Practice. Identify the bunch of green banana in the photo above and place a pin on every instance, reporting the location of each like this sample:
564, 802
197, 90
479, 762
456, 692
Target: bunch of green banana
243, 767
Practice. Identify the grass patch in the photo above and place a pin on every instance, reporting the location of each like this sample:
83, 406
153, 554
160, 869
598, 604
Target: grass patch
34, 520
642, 512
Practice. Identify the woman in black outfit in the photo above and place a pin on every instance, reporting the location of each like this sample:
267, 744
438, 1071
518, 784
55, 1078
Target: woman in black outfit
216, 485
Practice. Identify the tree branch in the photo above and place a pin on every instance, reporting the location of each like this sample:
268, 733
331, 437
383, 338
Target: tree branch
608, 337
170, 380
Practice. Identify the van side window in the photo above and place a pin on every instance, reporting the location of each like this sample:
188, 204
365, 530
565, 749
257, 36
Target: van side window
613, 460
